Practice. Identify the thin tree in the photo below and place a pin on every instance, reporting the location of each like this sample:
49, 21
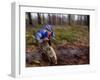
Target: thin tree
88, 20
69, 19
30, 18
39, 18
49, 18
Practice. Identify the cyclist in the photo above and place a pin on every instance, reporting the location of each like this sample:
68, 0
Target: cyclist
45, 33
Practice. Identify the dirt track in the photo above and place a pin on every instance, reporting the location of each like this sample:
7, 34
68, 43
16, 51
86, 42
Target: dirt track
67, 55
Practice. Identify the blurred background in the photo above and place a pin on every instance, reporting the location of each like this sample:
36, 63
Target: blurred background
72, 36
60, 22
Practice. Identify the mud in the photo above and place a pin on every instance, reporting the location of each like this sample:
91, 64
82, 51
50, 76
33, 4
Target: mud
66, 55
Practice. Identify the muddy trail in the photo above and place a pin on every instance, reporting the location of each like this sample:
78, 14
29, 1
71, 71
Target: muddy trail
66, 55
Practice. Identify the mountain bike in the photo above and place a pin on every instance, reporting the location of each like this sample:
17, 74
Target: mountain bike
48, 51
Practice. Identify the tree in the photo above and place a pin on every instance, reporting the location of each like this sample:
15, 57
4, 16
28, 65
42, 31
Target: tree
39, 18
88, 20
30, 18
54, 19
49, 18
69, 19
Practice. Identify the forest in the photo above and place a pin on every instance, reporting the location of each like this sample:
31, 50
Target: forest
71, 42
56, 19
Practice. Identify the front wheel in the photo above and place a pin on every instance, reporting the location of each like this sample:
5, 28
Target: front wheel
52, 55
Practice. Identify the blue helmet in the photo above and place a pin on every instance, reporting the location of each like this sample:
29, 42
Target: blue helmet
48, 27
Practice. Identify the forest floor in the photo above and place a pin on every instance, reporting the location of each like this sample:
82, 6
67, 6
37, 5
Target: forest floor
66, 55
71, 47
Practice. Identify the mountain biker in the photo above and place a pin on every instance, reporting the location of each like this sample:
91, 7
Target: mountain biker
45, 34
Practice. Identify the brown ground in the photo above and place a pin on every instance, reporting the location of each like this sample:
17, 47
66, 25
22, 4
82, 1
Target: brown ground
66, 54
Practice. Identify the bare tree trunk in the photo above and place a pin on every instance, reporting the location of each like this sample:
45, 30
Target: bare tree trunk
43, 19
69, 19
61, 19
88, 20
56, 20
39, 18
79, 19
49, 18
53, 19
30, 18
85, 20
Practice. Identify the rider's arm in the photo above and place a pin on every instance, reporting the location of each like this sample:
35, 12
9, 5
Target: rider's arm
38, 37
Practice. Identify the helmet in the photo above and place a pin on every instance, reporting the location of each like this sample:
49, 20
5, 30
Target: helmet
48, 27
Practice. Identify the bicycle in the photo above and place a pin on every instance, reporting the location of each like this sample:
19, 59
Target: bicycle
48, 51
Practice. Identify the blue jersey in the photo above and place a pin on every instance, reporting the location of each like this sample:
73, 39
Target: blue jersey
42, 33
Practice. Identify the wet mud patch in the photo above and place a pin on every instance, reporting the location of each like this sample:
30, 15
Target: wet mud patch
73, 55
66, 55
